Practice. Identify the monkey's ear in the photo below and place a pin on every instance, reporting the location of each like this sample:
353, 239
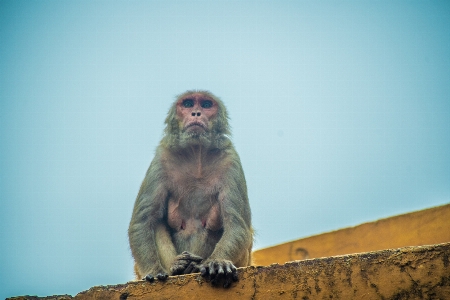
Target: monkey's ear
172, 124
222, 118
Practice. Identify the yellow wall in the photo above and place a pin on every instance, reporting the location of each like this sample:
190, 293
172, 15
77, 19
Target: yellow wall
426, 227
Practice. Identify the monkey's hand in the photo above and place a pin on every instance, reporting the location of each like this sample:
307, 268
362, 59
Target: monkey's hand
186, 263
219, 270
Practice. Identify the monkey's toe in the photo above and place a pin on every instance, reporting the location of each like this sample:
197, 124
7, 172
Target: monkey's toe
162, 276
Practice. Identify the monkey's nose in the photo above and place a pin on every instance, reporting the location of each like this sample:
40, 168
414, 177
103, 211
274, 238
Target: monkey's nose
194, 114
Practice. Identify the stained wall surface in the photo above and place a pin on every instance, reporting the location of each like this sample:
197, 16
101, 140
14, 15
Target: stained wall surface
425, 227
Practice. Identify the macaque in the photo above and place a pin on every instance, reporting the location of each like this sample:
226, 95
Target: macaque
192, 212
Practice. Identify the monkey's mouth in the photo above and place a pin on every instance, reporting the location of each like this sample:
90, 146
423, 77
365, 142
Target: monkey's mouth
197, 124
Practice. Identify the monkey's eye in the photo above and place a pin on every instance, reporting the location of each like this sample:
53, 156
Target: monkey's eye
188, 103
207, 104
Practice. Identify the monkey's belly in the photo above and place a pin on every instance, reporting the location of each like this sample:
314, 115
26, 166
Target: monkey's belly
184, 219
195, 238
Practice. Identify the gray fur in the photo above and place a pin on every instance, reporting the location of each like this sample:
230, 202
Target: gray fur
193, 198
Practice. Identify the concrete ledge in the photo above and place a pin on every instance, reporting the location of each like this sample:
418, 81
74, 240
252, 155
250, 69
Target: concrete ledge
406, 273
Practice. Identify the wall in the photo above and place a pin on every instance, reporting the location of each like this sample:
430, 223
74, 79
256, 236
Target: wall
426, 227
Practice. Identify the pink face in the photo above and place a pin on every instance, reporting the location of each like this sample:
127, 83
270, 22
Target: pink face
195, 112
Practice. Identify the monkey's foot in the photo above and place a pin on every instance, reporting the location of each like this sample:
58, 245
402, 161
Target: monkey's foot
160, 276
219, 271
185, 263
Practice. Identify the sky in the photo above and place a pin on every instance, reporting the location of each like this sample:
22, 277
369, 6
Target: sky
340, 112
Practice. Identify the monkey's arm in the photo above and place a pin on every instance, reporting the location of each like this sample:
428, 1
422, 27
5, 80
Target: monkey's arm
146, 226
234, 247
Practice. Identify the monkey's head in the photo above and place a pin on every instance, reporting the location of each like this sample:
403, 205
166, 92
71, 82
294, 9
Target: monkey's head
197, 118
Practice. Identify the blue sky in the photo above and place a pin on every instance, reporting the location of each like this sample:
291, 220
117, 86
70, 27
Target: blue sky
340, 112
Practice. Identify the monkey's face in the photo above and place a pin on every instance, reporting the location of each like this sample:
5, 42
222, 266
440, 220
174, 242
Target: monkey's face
195, 113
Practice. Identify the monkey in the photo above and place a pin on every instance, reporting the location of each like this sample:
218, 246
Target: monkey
192, 213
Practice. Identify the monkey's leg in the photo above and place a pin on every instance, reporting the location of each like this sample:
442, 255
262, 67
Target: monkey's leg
166, 252
164, 244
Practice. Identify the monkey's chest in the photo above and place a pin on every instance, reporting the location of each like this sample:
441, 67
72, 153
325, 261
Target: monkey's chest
192, 214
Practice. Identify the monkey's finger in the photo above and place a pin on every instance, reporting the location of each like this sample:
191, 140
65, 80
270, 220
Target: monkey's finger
183, 256
196, 269
189, 268
189, 257
174, 271
228, 276
227, 282
212, 270
234, 273
220, 271
149, 278
235, 276
194, 257
228, 269
178, 267
228, 272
